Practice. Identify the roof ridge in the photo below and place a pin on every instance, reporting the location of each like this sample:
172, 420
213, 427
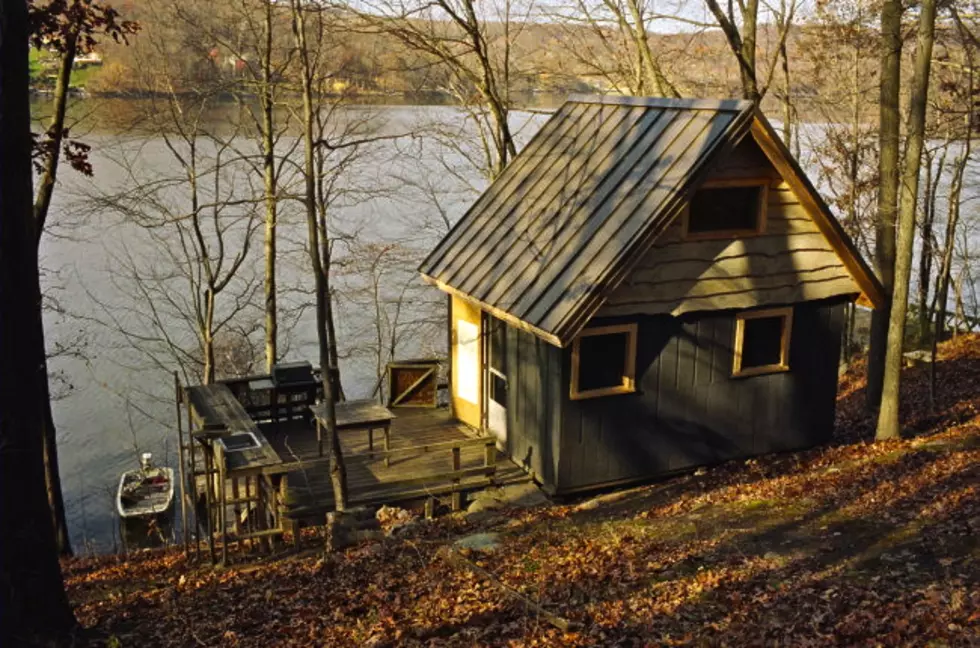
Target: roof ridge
736, 105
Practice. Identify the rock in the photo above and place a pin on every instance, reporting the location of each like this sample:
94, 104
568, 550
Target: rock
916, 358
515, 496
596, 502
479, 542
484, 504
395, 520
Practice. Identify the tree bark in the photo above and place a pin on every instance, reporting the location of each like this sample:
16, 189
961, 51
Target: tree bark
926, 250
56, 131
338, 471
42, 204
888, 419
34, 609
269, 177
888, 144
52, 473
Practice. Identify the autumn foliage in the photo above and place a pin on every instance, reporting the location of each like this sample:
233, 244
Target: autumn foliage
855, 543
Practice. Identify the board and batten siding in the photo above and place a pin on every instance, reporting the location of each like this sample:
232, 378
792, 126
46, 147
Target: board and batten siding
791, 261
534, 388
688, 411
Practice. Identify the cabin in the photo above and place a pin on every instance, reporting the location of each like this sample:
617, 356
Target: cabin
651, 285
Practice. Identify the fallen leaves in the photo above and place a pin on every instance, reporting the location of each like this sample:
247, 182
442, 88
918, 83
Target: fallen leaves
855, 543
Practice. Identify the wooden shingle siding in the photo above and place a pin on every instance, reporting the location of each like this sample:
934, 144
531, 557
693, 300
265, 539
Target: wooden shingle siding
688, 411
790, 262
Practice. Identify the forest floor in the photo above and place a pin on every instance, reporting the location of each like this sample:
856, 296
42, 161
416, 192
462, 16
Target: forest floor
854, 543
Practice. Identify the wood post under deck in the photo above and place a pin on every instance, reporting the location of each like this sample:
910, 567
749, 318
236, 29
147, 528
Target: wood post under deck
180, 462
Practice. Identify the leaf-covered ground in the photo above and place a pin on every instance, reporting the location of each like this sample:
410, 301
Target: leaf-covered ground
851, 544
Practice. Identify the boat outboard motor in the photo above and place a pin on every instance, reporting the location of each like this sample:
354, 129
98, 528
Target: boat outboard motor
146, 461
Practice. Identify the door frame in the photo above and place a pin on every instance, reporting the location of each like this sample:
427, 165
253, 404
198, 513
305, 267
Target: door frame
488, 373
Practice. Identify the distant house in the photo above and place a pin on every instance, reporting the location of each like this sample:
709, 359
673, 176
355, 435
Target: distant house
649, 286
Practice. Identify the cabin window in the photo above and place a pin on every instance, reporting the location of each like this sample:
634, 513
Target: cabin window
762, 341
604, 361
728, 208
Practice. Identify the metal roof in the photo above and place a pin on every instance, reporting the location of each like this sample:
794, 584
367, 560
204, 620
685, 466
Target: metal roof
589, 192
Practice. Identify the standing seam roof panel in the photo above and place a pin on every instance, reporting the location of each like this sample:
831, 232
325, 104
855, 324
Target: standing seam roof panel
640, 179
535, 222
620, 175
513, 177
515, 220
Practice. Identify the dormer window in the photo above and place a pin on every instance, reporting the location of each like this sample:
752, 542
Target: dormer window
727, 208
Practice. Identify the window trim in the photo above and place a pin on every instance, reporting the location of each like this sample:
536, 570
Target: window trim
761, 217
786, 312
628, 385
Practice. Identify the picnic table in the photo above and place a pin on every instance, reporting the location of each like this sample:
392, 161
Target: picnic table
356, 415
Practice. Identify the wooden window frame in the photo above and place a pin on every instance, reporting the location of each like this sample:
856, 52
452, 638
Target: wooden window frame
761, 217
629, 378
786, 313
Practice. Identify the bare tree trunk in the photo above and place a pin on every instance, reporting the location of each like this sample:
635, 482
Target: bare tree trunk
888, 136
651, 73
52, 474
269, 177
888, 421
926, 250
338, 471
207, 337
56, 131
42, 204
34, 609
787, 100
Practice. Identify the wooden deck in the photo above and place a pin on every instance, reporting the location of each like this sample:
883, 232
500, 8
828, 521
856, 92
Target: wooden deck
421, 462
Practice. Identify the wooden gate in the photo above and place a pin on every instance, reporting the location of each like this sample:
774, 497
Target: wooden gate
413, 383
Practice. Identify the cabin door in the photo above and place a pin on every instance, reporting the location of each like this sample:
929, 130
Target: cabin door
467, 383
496, 378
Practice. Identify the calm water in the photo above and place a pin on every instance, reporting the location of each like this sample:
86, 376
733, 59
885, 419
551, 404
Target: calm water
116, 386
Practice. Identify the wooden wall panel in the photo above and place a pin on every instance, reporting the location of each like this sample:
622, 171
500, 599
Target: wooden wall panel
466, 407
790, 262
533, 398
688, 411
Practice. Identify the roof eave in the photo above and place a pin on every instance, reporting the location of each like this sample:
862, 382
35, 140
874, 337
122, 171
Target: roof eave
547, 336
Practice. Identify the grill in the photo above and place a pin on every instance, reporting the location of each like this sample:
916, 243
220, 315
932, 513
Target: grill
288, 374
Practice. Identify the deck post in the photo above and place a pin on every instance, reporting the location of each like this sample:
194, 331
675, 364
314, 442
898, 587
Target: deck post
209, 500
319, 437
387, 445
223, 510
430, 508
180, 463
371, 441
490, 454
236, 510
457, 495
192, 479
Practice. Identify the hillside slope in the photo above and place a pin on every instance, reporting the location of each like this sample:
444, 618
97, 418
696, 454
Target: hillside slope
851, 544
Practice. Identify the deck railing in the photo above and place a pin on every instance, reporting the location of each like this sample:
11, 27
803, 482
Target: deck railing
305, 501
